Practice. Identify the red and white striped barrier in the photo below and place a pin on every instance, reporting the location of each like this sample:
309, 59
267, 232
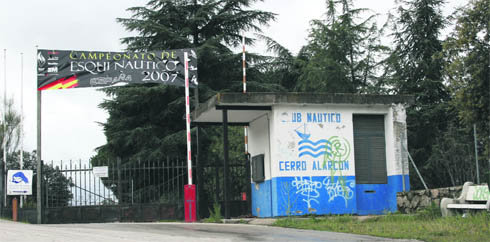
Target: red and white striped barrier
188, 118
244, 65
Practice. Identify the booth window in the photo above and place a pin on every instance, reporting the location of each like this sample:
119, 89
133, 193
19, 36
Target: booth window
258, 174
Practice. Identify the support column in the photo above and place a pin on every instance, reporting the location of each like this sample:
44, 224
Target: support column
226, 168
39, 164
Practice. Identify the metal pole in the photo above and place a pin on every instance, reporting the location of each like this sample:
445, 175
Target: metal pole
38, 156
2, 181
476, 155
119, 182
5, 123
225, 156
21, 161
415, 166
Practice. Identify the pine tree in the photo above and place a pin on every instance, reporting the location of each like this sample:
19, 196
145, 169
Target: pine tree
145, 122
467, 69
414, 68
341, 53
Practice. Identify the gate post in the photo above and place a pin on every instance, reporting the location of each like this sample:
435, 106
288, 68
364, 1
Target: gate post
119, 186
249, 185
226, 170
14, 209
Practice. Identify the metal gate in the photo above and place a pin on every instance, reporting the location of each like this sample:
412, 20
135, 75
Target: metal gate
132, 191
211, 182
137, 191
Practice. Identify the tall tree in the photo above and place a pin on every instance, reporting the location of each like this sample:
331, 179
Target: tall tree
342, 52
146, 122
467, 53
11, 133
414, 68
211, 26
152, 115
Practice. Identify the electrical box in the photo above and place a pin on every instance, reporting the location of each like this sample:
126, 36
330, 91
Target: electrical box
258, 174
190, 203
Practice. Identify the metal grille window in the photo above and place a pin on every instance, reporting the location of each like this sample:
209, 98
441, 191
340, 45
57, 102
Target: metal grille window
369, 149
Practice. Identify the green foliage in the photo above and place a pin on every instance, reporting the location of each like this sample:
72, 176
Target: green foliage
428, 213
453, 157
215, 214
341, 55
211, 26
414, 68
10, 127
467, 68
146, 122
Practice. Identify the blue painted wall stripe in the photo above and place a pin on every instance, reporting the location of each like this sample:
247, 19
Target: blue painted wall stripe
284, 196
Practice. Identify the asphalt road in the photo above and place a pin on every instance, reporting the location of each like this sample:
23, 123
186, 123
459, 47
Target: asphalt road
174, 232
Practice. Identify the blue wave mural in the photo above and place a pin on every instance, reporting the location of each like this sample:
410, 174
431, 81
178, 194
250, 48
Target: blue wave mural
313, 148
314, 155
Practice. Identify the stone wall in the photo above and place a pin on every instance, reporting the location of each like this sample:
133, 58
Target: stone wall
409, 202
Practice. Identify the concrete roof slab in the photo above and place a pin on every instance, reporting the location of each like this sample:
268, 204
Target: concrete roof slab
244, 108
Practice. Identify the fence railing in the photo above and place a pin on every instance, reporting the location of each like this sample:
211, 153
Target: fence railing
74, 183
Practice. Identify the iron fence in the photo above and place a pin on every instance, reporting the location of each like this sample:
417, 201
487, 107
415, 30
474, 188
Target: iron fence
74, 183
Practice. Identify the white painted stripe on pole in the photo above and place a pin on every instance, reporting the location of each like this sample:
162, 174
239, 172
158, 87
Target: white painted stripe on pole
244, 64
188, 118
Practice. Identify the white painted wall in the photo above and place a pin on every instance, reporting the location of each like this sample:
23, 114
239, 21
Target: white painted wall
259, 141
285, 140
275, 136
287, 149
399, 132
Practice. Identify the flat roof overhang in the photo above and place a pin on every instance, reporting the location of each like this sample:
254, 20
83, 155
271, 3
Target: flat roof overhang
243, 108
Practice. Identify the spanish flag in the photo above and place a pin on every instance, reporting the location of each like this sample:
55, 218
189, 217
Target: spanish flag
62, 83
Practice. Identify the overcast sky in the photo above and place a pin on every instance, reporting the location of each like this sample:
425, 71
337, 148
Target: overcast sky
69, 117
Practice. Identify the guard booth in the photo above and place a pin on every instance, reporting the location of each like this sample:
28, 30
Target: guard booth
317, 153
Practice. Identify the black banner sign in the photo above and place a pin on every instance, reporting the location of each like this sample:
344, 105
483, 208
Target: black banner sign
61, 69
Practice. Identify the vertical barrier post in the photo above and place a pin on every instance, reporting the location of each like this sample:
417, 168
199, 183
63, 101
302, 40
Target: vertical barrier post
189, 189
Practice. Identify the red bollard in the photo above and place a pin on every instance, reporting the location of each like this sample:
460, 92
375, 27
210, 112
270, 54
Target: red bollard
14, 209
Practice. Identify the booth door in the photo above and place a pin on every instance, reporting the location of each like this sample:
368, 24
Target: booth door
370, 164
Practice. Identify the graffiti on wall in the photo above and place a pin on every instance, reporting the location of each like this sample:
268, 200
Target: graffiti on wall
341, 188
310, 190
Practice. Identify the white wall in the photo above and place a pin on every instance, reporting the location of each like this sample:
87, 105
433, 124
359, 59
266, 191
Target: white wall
285, 140
258, 141
275, 136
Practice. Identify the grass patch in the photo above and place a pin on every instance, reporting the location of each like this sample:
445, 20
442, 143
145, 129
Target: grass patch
214, 215
426, 225
169, 220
